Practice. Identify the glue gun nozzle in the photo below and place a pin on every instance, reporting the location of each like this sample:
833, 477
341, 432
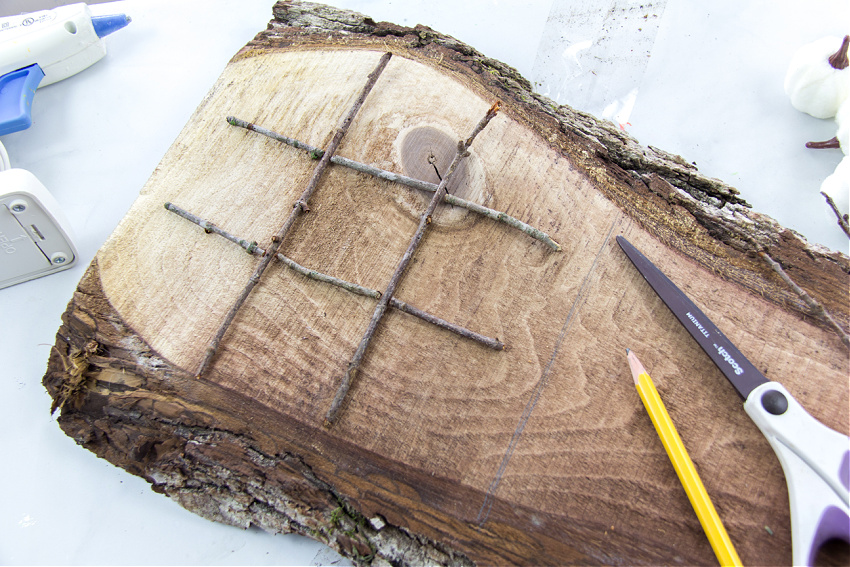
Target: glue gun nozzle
105, 25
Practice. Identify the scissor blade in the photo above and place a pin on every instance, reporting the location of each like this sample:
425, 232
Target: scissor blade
734, 365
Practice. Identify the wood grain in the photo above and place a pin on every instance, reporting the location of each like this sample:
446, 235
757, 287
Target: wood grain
445, 451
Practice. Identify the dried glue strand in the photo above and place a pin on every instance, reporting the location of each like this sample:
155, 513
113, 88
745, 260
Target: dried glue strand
424, 222
404, 180
298, 208
253, 248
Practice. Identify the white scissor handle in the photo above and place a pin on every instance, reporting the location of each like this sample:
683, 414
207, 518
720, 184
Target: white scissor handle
816, 462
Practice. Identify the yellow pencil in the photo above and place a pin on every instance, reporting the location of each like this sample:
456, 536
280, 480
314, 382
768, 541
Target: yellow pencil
711, 524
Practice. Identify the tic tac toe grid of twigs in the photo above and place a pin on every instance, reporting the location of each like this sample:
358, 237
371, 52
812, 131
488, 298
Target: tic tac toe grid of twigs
386, 298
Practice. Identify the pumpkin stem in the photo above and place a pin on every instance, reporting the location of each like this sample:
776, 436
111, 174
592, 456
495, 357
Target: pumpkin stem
839, 60
825, 145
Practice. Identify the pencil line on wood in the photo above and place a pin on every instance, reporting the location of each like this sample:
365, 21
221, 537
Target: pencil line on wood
424, 222
253, 248
490, 496
841, 221
404, 180
817, 309
298, 209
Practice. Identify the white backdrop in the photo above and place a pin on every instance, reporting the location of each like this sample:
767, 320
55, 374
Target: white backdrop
700, 79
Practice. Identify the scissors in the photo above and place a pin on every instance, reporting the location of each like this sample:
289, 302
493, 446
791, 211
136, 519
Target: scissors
815, 458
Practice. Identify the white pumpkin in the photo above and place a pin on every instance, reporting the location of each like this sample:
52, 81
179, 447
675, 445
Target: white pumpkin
842, 119
837, 185
818, 77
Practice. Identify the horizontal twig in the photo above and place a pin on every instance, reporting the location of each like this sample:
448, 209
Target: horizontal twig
495, 344
319, 276
252, 248
315, 153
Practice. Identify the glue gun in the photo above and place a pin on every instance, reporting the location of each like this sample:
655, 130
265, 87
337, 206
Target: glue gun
38, 49
41, 48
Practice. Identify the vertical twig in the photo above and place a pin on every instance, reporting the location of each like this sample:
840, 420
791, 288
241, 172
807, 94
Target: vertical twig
298, 208
381, 308
842, 222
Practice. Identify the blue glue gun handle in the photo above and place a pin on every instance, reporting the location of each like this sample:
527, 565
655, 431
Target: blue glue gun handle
17, 90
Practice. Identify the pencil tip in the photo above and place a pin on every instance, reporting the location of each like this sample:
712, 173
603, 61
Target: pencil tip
634, 365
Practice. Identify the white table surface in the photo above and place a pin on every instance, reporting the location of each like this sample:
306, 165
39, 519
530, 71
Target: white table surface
700, 79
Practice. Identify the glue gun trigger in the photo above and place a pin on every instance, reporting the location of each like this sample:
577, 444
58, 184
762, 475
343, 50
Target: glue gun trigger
17, 90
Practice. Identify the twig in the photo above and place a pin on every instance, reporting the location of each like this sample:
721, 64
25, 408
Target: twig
505, 218
253, 248
404, 180
319, 276
250, 247
495, 344
298, 208
842, 222
424, 222
813, 304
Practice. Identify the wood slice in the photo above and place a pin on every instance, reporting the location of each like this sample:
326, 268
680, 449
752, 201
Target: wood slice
445, 451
